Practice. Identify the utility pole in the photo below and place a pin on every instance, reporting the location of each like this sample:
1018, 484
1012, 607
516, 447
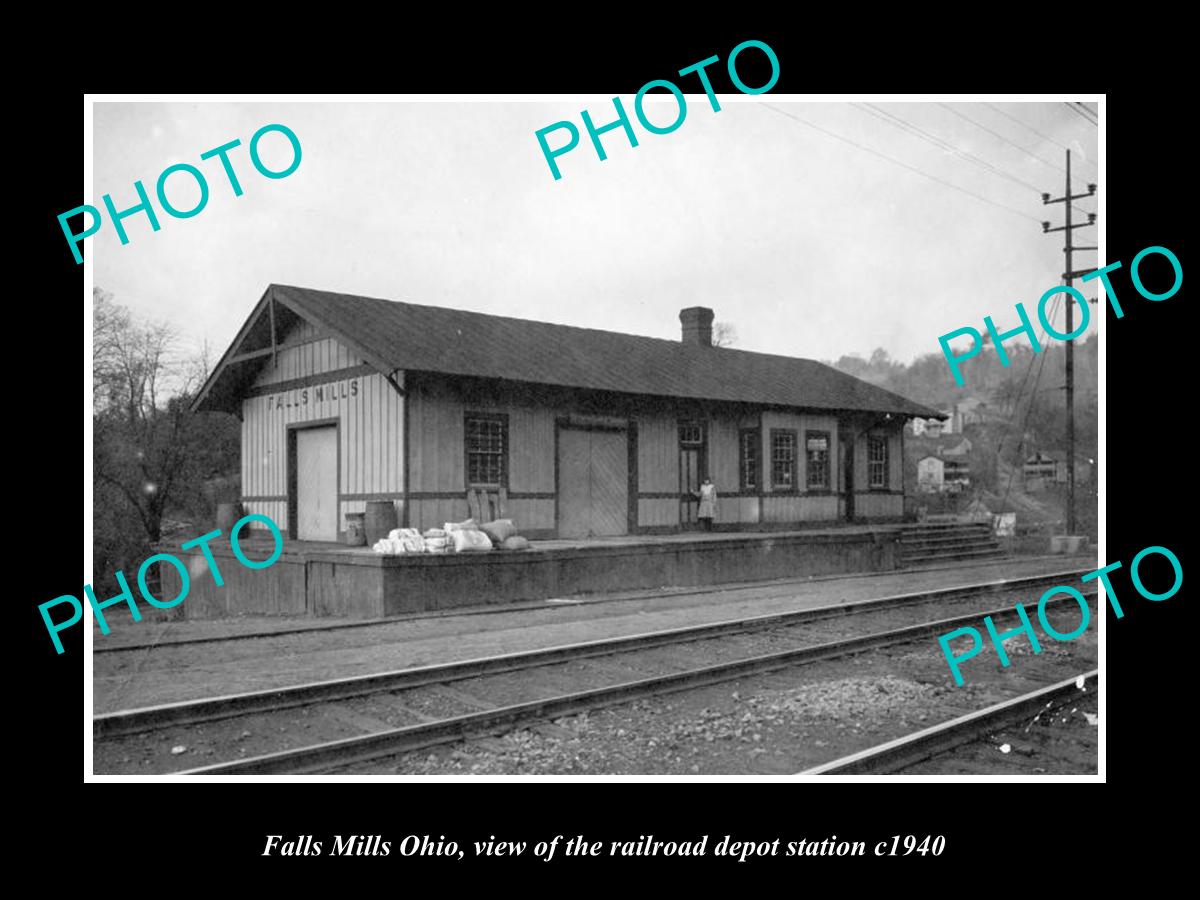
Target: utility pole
1069, 275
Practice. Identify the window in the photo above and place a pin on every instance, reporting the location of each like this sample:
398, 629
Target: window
487, 449
816, 445
877, 462
749, 450
783, 459
691, 434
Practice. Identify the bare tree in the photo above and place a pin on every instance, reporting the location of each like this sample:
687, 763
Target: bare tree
144, 432
724, 334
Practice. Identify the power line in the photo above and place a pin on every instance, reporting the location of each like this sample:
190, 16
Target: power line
997, 134
1083, 112
897, 162
1024, 423
1069, 275
1092, 114
1029, 127
942, 144
1041, 364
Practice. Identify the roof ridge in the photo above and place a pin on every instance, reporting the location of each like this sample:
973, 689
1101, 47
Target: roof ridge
582, 328
398, 334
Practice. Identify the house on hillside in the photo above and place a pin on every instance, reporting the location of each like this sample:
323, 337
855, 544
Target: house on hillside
943, 467
952, 420
956, 474
1047, 467
930, 475
955, 448
1044, 465
346, 399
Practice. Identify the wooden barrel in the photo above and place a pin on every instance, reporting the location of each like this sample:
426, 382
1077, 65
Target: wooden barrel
227, 516
381, 519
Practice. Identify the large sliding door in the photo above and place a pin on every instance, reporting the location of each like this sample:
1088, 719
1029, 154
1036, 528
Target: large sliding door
593, 482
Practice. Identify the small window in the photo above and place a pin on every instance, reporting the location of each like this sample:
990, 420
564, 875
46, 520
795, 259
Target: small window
487, 450
783, 460
691, 434
877, 462
816, 445
749, 444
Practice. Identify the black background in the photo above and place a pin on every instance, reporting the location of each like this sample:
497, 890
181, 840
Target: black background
167, 833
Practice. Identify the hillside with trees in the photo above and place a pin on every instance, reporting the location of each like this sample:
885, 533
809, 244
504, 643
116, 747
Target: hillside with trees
1013, 412
158, 468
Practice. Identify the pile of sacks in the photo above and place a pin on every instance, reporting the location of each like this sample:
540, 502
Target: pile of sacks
453, 537
403, 540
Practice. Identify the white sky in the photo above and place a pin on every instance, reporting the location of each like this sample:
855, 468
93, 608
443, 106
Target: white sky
809, 246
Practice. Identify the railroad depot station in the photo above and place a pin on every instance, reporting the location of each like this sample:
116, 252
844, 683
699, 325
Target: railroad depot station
594, 443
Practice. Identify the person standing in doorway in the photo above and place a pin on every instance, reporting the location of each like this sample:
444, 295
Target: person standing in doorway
708, 504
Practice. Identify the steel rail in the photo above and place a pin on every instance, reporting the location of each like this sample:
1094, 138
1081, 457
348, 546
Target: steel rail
303, 760
190, 712
901, 753
538, 606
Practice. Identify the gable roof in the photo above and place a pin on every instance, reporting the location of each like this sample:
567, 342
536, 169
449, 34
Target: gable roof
391, 336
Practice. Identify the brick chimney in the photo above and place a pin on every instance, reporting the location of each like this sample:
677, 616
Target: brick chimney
697, 325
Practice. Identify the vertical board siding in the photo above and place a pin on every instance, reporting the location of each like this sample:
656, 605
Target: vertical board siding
531, 470
436, 421
744, 509
878, 506
275, 510
657, 512
369, 413
896, 459
723, 454
658, 455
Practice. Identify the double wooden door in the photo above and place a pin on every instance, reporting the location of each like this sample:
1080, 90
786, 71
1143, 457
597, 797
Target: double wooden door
593, 482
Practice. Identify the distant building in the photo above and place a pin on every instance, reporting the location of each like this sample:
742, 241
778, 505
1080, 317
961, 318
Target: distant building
1042, 465
956, 475
960, 447
930, 475
952, 420
1048, 467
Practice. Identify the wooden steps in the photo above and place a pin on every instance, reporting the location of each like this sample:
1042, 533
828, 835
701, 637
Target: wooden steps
931, 542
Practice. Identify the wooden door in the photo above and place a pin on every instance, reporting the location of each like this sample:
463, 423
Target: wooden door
316, 484
609, 483
574, 483
593, 483
846, 442
692, 469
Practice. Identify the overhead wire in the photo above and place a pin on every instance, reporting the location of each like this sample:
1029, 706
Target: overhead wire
1029, 127
997, 134
1040, 363
1084, 113
898, 162
943, 144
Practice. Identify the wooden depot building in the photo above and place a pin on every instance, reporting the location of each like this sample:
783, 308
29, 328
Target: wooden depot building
346, 399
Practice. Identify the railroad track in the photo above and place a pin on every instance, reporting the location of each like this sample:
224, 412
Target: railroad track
447, 728
896, 756
99, 647
211, 709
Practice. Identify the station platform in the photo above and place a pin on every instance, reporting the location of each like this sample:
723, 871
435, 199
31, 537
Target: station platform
169, 662
324, 579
